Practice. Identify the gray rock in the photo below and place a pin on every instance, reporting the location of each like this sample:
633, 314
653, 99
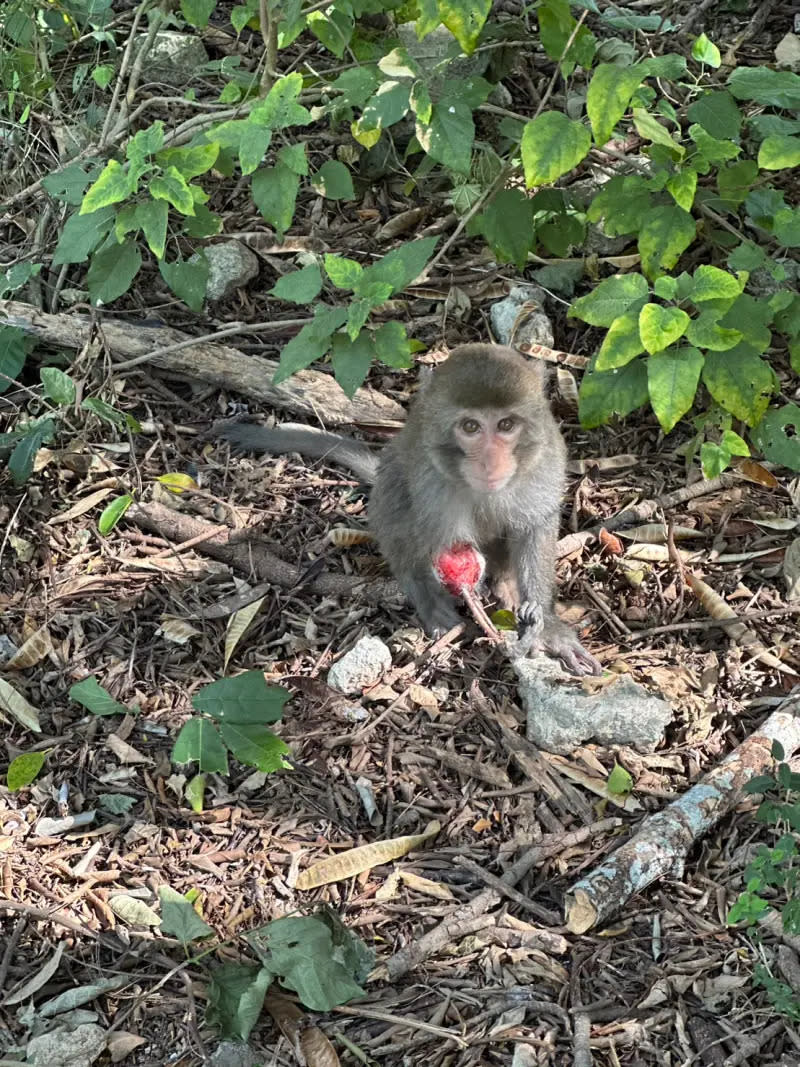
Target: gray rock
562, 716
434, 49
231, 265
67, 1048
535, 328
363, 665
174, 57
232, 1054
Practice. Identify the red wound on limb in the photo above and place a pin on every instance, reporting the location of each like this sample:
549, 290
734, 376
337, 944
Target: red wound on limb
459, 567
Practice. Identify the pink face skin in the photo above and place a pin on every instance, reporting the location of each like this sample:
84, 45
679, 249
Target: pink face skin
488, 440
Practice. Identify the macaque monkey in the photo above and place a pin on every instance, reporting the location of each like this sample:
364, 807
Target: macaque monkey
480, 460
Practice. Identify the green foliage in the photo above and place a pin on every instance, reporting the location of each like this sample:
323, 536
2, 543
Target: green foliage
25, 769
179, 918
232, 717
95, 698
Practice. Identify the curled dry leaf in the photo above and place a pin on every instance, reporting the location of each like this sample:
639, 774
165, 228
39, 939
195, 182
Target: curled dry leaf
88, 502
179, 631
567, 386
237, 624
754, 472
657, 553
602, 463
655, 533
302, 1035
31, 651
345, 537
132, 911
13, 703
724, 614
357, 860
610, 543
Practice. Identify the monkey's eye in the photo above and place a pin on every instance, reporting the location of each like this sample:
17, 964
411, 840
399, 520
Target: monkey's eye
507, 424
470, 426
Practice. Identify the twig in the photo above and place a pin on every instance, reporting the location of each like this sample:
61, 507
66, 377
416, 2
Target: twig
709, 624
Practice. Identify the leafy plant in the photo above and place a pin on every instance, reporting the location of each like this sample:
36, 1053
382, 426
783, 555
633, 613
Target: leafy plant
773, 876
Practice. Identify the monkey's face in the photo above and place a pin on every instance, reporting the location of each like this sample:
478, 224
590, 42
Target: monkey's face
486, 442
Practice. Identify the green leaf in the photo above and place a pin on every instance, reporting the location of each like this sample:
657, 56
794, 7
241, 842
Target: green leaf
21, 460
14, 347
294, 157
604, 394
561, 233
705, 332
173, 187
650, 128
771, 88
275, 194
734, 444
552, 145
672, 379
717, 113
195, 792
313, 341
750, 316
244, 699
190, 162
711, 283
779, 153
18, 275
465, 20
280, 109
300, 286
333, 181
351, 361
403, 265
113, 513
682, 187
449, 137
334, 30
740, 382
198, 740
203, 223
152, 217
710, 150
24, 769
666, 287
187, 278
115, 803
623, 203
705, 51
113, 185
713, 459
388, 106
356, 85
82, 234
660, 327
621, 344
610, 299
619, 783
92, 696
104, 411
507, 225
235, 998
343, 273
256, 746
57, 386
179, 919
778, 436
665, 234
68, 184
610, 92
112, 270
392, 345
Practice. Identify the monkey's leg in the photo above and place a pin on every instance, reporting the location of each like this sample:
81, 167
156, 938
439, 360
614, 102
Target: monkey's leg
533, 559
435, 607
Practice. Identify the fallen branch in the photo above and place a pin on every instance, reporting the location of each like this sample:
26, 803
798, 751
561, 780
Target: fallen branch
309, 392
663, 841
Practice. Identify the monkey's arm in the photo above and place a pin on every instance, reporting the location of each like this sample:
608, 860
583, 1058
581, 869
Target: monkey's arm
533, 558
307, 440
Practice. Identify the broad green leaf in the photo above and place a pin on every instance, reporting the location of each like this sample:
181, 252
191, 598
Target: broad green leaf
734, 444
507, 225
735, 180
351, 360
334, 30
552, 145
173, 187
343, 273
357, 314
609, 94
92, 696
561, 233
771, 88
113, 186
718, 114
275, 194
672, 379
236, 997
388, 106
779, 153
17, 275
666, 287
187, 278
57, 386
711, 283
146, 142
152, 216
311, 343
604, 394
190, 162
403, 265
448, 139
199, 741
115, 803
670, 66
112, 270
464, 19
622, 204
294, 157
619, 783
650, 128
333, 181
421, 103
197, 12
621, 344
356, 85
610, 298
705, 332
104, 411
280, 108
392, 346
713, 459
244, 699
665, 234
711, 150
14, 348
682, 186
68, 184
256, 746
300, 286
21, 460
82, 234
179, 919
778, 436
111, 514
660, 327
705, 51
24, 769
195, 792
203, 223
751, 317
740, 381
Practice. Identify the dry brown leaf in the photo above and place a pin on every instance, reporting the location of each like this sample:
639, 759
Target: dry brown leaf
31, 651
124, 752
345, 537
423, 698
122, 1043
567, 388
610, 543
655, 533
82, 506
754, 472
16, 705
237, 624
357, 860
132, 911
302, 1035
657, 553
791, 570
426, 886
602, 463
179, 631
390, 888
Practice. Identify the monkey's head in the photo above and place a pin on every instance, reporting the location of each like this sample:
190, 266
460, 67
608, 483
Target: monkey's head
484, 416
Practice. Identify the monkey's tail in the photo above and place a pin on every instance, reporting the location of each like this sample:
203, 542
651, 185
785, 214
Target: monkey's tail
307, 440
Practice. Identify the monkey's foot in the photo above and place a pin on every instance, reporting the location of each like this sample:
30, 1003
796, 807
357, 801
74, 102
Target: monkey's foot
564, 645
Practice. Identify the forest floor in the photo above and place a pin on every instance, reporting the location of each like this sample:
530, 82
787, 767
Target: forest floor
667, 982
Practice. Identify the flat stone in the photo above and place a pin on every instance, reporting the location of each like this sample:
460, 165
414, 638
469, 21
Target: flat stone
364, 665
